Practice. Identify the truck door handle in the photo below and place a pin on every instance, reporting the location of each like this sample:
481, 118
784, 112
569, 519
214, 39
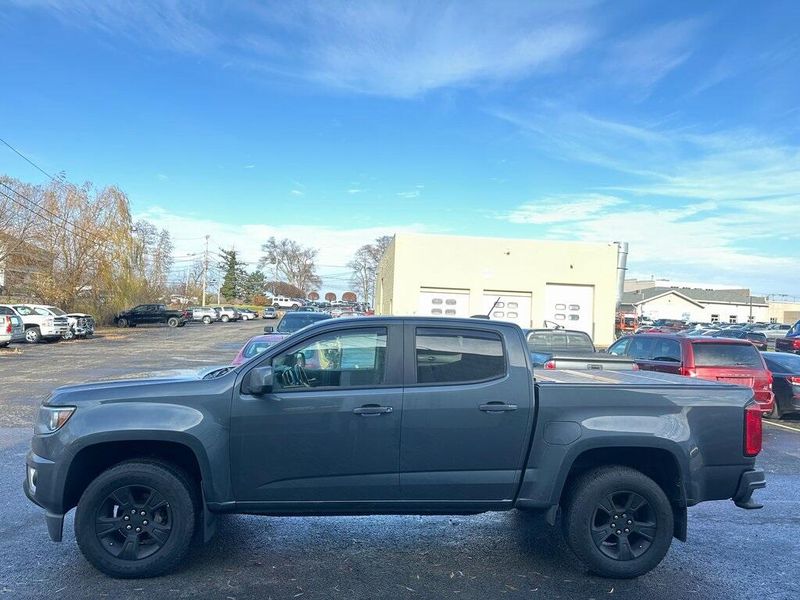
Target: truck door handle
496, 407
372, 410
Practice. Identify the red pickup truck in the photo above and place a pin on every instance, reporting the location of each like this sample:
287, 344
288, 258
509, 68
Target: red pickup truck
716, 359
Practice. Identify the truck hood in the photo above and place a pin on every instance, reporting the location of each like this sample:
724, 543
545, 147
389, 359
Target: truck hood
133, 387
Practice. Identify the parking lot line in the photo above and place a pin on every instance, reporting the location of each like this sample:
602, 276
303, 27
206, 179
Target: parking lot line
782, 426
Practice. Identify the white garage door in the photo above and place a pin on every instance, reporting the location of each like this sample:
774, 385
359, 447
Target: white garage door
571, 306
508, 307
452, 303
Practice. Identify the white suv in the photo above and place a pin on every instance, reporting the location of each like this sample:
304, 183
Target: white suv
284, 302
42, 322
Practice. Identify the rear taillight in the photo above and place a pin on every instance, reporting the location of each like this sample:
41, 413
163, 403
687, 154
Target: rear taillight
686, 372
752, 429
794, 380
635, 367
8, 324
768, 386
796, 344
550, 364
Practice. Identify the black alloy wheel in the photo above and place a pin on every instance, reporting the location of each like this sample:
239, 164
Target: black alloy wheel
133, 522
623, 525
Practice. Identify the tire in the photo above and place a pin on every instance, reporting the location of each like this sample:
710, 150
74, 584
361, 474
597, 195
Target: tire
651, 524
122, 322
177, 506
173, 322
776, 413
70, 335
4, 344
207, 320
295, 306
225, 318
33, 335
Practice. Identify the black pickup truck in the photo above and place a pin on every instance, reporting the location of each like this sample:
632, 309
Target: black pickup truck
148, 314
392, 415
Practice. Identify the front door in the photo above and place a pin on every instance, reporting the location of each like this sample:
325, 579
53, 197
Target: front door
330, 429
467, 416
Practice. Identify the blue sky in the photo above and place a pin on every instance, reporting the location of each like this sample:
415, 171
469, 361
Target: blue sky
674, 126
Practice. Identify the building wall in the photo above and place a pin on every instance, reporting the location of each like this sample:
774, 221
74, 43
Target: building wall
784, 312
478, 265
672, 306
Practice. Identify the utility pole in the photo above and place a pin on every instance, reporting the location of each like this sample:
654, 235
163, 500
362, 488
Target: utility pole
205, 271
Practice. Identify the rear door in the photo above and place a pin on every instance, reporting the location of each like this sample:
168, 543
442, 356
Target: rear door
466, 416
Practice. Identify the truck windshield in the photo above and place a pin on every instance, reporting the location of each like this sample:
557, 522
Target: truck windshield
56, 311
726, 355
559, 341
296, 321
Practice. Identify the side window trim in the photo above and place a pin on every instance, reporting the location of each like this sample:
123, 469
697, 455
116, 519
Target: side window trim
411, 357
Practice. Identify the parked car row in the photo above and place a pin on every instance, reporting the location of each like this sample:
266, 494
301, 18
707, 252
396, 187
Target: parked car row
34, 323
730, 356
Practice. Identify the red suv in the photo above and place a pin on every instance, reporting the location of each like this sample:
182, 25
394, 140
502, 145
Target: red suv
717, 359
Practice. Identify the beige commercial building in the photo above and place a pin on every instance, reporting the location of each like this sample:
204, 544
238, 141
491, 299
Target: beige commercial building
529, 282
784, 312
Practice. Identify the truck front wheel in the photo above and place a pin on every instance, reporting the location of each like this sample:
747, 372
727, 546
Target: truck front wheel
173, 322
137, 519
618, 522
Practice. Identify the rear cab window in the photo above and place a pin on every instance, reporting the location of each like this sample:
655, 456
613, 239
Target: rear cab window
450, 356
726, 355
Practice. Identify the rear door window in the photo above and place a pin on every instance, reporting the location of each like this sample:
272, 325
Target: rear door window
726, 355
641, 348
666, 350
458, 356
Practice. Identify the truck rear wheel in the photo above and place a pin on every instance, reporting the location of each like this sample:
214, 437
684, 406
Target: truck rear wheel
173, 322
225, 318
137, 519
618, 522
122, 322
207, 320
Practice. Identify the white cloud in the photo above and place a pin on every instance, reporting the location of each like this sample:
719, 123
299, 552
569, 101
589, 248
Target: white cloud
400, 49
297, 192
409, 195
180, 26
162, 177
648, 56
249, 166
354, 191
560, 208
677, 162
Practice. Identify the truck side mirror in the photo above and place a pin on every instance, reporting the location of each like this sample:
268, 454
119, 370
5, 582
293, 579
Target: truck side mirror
259, 381
269, 329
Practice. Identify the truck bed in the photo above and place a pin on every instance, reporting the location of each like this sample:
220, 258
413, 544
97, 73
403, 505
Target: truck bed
625, 378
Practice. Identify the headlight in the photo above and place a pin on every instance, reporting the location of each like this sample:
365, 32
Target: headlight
53, 418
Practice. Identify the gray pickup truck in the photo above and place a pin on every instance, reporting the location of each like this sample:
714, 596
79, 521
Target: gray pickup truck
391, 415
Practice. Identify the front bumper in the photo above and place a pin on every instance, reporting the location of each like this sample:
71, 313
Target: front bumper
41, 488
748, 483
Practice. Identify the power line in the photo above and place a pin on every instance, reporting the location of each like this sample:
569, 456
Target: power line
28, 160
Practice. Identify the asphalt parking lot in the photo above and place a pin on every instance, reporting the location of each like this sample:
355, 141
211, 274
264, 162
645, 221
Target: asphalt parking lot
730, 553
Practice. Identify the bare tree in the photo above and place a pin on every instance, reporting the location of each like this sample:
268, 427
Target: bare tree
292, 263
364, 267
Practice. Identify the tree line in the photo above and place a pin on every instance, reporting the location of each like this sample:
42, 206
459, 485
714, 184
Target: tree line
78, 247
